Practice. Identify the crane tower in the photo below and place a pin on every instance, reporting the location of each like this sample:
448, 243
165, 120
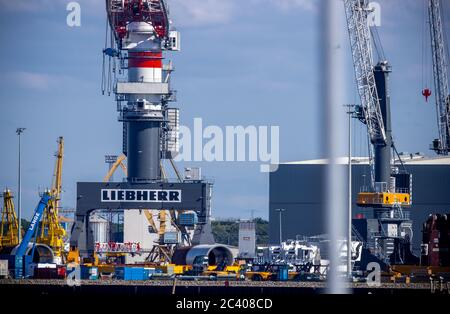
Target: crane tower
390, 187
141, 35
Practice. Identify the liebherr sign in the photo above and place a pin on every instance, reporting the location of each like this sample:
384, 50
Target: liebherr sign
140, 196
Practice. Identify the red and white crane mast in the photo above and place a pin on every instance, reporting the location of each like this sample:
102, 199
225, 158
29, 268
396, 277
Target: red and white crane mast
141, 30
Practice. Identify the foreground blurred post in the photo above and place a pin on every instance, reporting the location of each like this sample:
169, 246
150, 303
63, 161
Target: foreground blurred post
332, 126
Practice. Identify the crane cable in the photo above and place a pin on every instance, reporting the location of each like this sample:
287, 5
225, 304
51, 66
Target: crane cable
104, 58
425, 73
377, 43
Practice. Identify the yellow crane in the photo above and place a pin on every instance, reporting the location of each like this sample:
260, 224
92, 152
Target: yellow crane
52, 233
9, 230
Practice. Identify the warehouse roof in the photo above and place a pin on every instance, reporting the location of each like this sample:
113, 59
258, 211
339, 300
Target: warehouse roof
410, 159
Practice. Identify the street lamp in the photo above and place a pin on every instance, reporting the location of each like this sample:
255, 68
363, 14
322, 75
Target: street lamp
280, 211
351, 114
19, 131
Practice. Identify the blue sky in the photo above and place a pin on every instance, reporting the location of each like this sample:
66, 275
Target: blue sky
252, 62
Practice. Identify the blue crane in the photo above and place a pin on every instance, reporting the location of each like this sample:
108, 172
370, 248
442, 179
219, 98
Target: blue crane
21, 250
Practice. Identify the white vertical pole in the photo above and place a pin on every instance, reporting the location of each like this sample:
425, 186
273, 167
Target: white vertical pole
349, 234
19, 131
333, 138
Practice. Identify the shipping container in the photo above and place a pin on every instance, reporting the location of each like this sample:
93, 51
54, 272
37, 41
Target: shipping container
4, 268
27, 261
151, 271
172, 238
45, 273
132, 273
61, 271
18, 267
89, 273
283, 273
188, 219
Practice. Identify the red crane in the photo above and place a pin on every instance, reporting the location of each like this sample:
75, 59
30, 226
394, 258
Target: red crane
123, 12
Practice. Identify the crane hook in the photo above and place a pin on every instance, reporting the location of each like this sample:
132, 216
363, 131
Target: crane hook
426, 93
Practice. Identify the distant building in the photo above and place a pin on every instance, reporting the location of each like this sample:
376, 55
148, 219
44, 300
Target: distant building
298, 187
247, 239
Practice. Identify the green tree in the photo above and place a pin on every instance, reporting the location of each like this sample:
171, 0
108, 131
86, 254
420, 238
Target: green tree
227, 231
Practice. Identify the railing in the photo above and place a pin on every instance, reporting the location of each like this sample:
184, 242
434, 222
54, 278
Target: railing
396, 214
115, 247
382, 188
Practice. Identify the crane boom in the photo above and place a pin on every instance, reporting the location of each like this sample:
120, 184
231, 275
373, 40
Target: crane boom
46, 197
357, 12
440, 73
52, 232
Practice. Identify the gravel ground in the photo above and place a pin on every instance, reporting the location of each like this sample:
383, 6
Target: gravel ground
184, 283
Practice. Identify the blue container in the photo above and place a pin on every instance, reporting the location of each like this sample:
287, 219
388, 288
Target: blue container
119, 273
132, 273
146, 273
27, 270
18, 267
283, 273
188, 219
138, 273
172, 238
151, 272
89, 273
124, 273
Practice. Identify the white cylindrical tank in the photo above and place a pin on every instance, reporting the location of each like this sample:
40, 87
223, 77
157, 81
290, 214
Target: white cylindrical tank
100, 228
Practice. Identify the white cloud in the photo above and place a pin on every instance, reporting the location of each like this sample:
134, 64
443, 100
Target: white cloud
89, 6
201, 12
184, 12
29, 5
207, 12
32, 80
308, 5
37, 81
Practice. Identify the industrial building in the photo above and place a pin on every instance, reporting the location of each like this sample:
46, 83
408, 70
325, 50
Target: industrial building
297, 187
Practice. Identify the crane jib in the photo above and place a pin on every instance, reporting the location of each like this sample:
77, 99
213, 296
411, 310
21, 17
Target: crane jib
33, 225
123, 12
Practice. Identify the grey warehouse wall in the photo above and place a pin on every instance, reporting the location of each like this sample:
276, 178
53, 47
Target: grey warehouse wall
298, 188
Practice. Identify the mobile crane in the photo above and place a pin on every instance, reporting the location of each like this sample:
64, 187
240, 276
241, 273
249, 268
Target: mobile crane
390, 189
20, 260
